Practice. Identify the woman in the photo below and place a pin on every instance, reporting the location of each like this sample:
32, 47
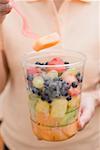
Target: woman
77, 22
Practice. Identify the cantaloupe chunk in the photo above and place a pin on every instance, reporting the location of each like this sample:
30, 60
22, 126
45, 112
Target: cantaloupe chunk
46, 41
42, 132
52, 121
35, 130
59, 108
55, 134
41, 118
42, 106
45, 119
58, 135
71, 129
45, 133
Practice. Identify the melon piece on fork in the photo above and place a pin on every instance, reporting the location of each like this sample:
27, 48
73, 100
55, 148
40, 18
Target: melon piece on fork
46, 41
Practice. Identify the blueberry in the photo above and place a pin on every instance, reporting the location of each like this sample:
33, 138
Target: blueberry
80, 79
42, 64
46, 63
39, 93
36, 91
49, 101
60, 79
66, 85
74, 84
54, 88
64, 93
66, 62
78, 74
45, 97
58, 94
37, 63
46, 83
68, 98
30, 77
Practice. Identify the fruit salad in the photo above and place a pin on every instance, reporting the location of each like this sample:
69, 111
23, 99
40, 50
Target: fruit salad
54, 89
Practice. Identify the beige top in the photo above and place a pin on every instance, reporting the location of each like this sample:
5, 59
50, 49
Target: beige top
78, 25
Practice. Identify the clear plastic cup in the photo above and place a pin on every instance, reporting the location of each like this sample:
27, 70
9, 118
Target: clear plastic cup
54, 83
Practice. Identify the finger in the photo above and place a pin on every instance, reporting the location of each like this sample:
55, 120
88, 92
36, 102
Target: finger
4, 1
85, 117
81, 109
5, 7
5, 12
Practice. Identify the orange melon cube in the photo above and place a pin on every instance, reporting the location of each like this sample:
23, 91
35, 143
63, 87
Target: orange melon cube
46, 41
71, 129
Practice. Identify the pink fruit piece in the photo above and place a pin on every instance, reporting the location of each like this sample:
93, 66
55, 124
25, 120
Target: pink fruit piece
33, 70
74, 91
58, 134
71, 129
57, 61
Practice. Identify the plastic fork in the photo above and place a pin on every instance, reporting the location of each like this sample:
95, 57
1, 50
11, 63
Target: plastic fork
26, 30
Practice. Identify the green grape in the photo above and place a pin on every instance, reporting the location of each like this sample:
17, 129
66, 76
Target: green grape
38, 82
52, 74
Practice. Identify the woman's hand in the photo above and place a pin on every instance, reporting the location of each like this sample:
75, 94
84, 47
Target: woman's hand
87, 108
5, 7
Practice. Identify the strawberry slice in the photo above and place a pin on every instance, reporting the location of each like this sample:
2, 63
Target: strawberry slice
74, 91
57, 61
33, 70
